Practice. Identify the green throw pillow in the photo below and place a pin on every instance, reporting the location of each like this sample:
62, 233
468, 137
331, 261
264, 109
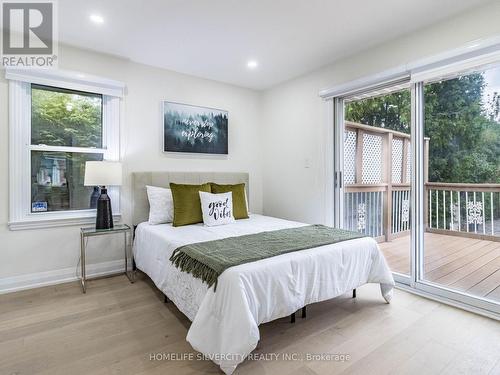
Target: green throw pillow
187, 205
240, 209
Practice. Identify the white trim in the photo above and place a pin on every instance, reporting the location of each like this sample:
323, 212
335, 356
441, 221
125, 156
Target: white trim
337, 180
469, 51
473, 52
423, 292
417, 182
65, 275
458, 296
83, 150
401, 278
79, 218
329, 160
20, 215
19, 110
67, 79
385, 78
452, 69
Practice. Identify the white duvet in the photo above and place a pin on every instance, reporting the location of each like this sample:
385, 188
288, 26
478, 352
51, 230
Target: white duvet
225, 323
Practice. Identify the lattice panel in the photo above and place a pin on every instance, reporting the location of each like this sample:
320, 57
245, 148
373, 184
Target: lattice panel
408, 166
350, 139
372, 159
397, 160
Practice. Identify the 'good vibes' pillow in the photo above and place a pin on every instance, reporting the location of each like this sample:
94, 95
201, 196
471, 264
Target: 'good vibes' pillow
217, 209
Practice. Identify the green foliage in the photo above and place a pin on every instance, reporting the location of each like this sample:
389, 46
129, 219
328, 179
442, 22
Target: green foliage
464, 133
389, 111
61, 118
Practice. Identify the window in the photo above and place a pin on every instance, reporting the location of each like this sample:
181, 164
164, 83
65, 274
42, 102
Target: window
68, 119
56, 126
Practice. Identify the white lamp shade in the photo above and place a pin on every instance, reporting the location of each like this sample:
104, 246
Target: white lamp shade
103, 173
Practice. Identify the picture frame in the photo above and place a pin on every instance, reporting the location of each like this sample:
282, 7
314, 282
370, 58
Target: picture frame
194, 129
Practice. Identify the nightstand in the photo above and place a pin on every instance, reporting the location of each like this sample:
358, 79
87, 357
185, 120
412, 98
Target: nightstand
85, 233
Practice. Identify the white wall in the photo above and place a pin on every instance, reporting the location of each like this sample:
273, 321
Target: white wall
29, 256
271, 136
295, 118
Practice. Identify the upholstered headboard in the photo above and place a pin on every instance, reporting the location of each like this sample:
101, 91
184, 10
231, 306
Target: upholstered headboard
140, 204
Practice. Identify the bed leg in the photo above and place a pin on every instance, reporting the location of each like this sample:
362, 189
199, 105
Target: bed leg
292, 318
166, 300
354, 293
303, 312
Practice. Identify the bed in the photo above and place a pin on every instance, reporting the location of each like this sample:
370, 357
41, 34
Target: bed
225, 322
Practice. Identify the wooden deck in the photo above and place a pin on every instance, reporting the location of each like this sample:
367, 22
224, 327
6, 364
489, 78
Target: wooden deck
466, 264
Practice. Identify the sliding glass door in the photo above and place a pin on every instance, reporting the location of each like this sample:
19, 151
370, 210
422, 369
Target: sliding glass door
417, 167
462, 184
377, 170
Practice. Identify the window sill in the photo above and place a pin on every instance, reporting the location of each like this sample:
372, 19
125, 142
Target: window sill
46, 222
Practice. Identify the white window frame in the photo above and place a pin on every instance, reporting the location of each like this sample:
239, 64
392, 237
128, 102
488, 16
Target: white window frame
20, 147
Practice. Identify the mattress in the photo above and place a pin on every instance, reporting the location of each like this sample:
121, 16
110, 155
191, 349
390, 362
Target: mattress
225, 323
154, 244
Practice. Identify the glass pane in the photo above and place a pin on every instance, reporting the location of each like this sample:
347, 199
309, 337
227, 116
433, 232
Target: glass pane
377, 171
62, 117
57, 181
95, 231
462, 187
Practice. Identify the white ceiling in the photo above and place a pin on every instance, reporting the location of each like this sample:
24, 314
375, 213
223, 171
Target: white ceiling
215, 38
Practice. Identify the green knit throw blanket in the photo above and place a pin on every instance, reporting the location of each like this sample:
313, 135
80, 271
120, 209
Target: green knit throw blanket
208, 260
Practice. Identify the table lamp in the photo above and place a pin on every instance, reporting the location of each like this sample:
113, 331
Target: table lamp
102, 174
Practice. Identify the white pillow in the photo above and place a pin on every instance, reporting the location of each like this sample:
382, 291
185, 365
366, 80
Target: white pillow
161, 205
217, 209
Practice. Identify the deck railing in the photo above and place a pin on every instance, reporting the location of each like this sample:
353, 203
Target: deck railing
366, 209
400, 217
377, 172
463, 208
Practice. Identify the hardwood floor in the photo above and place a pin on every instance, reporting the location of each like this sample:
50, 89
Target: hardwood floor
466, 264
117, 326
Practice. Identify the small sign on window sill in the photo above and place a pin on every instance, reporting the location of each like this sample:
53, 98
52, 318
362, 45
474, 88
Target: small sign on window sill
39, 207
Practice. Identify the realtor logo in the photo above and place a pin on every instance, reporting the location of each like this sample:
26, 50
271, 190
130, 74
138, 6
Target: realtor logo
29, 34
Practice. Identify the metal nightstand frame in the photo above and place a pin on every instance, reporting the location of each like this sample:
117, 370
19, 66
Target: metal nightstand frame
92, 232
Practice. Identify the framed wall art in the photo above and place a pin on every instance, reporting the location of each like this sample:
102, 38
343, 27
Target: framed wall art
194, 129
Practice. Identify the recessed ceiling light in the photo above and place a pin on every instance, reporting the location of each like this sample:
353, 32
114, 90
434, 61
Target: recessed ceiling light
96, 18
252, 64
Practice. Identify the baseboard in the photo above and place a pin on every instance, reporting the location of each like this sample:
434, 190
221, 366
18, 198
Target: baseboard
37, 280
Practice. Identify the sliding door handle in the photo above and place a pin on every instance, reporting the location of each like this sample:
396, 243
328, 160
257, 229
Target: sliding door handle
337, 180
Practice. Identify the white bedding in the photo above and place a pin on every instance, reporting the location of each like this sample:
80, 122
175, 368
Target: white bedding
225, 324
